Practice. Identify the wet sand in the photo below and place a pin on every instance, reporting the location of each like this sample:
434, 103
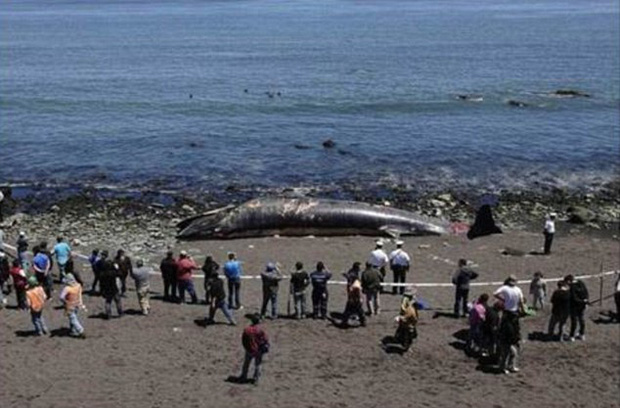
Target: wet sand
169, 359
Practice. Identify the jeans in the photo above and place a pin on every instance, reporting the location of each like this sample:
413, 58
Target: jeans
74, 323
509, 354
399, 272
576, 316
272, 297
61, 270
258, 359
373, 302
187, 285
555, 320
234, 287
548, 242
460, 297
38, 322
22, 257
299, 299
221, 305
95, 281
108, 305
538, 299
474, 338
319, 302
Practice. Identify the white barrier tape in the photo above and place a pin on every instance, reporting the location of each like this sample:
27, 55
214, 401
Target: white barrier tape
415, 285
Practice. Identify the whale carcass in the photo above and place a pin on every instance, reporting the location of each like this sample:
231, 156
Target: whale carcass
306, 216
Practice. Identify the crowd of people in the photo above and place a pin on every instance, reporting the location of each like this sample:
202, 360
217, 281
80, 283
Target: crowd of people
494, 325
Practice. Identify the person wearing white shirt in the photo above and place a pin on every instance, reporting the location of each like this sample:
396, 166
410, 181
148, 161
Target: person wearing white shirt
378, 258
548, 232
509, 330
399, 263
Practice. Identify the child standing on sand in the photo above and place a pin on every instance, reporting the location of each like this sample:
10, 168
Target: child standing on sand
538, 290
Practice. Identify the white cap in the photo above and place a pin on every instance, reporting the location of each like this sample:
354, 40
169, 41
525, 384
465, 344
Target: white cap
2, 254
399, 243
183, 253
379, 243
22, 234
552, 214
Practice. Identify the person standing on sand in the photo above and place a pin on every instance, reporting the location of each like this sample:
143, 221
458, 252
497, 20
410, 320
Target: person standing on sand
477, 316
271, 278
560, 309
354, 304
461, 280
209, 268
399, 263
509, 330
5, 275
578, 304
320, 296
233, 272
185, 266
43, 248
168, 268
371, 286
299, 282
20, 281
125, 268
42, 269
62, 251
549, 232
141, 276
256, 345
217, 297
71, 297
110, 282
93, 259
22, 249
100, 265
379, 259
538, 290
35, 299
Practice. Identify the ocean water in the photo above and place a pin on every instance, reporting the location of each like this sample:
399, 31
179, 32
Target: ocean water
202, 95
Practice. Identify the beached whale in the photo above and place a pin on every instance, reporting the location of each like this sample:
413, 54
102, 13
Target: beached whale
307, 216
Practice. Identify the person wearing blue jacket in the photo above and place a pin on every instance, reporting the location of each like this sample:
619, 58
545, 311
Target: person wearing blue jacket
233, 272
319, 280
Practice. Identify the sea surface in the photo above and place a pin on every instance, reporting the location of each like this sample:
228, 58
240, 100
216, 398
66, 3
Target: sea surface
205, 95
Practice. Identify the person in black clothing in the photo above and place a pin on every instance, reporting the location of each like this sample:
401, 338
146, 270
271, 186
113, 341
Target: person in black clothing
210, 268
560, 309
578, 303
70, 269
353, 274
461, 280
109, 283
299, 282
168, 268
218, 300
490, 331
320, 296
125, 268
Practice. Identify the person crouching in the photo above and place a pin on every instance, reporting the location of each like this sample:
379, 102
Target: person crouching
354, 304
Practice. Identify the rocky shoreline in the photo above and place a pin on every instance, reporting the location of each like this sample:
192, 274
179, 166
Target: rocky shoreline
145, 223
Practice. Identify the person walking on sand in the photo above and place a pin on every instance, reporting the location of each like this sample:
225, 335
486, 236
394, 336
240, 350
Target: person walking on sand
209, 268
92, 260
549, 232
233, 272
560, 309
509, 330
379, 259
35, 300
353, 274
141, 276
299, 282
217, 297
110, 285
460, 280
185, 266
125, 268
22, 249
62, 252
320, 296
255, 344
71, 297
168, 268
538, 290
371, 287
399, 263
271, 278
578, 304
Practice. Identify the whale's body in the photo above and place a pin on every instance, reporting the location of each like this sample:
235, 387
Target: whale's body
307, 216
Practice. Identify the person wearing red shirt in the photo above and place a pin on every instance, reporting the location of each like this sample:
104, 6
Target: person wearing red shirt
256, 344
185, 266
20, 282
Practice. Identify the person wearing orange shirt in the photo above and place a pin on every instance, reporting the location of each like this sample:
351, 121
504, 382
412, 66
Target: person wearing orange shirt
35, 299
71, 297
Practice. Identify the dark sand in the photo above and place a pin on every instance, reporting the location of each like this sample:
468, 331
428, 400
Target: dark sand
168, 360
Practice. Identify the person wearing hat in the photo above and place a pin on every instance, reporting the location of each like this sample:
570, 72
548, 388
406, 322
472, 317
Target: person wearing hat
399, 263
109, 282
185, 266
168, 268
233, 272
35, 299
548, 232
509, 336
22, 249
463, 275
271, 278
141, 276
217, 297
378, 258
255, 344
71, 297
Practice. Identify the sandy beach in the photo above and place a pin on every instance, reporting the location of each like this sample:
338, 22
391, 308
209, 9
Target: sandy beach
169, 359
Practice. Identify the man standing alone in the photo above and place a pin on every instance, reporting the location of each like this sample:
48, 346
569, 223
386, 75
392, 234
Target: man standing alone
256, 344
548, 232
399, 263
